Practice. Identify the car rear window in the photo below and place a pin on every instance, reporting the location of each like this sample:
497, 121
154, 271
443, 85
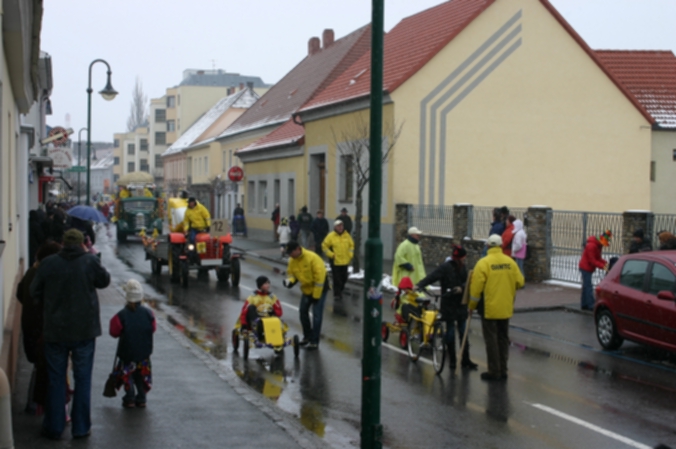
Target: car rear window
661, 278
633, 273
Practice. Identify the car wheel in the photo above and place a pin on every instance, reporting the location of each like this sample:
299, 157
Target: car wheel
606, 331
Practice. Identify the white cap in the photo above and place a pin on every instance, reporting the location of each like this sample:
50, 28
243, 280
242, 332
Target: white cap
494, 240
337, 222
414, 231
134, 291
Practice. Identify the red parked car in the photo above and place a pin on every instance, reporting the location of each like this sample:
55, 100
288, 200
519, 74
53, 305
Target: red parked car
636, 301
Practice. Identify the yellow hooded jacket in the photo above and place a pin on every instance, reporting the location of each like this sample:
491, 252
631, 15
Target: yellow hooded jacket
310, 271
196, 218
498, 277
339, 247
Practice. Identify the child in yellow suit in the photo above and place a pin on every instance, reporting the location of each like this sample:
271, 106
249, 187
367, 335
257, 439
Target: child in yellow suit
261, 303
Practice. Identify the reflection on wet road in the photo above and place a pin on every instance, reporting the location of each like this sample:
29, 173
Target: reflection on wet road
550, 379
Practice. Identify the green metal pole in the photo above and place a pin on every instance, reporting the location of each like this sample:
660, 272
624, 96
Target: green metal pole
89, 132
371, 429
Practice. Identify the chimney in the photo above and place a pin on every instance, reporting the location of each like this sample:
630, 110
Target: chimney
327, 38
241, 86
313, 46
250, 85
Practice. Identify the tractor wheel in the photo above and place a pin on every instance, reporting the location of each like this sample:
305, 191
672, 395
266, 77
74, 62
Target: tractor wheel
175, 263
184, 274
246, 348
121, 237
235, 271
223, 274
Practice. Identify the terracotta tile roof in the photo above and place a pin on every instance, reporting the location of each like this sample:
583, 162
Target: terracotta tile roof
650, 76
407, 48
290, 133
298, 86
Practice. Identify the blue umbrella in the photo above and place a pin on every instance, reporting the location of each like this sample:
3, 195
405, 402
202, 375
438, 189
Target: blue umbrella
87, 213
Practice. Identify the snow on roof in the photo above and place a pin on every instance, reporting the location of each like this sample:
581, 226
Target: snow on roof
244, 98
650, 77
288, 134
103, 163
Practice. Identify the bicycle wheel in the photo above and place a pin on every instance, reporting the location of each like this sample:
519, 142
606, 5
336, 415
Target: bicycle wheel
438, 347
415, 338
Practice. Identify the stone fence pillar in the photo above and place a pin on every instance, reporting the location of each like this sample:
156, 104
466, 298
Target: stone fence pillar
537, 264
461, 214
633, 220
402, 213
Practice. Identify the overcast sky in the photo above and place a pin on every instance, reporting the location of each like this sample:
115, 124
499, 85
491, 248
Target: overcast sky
156, 40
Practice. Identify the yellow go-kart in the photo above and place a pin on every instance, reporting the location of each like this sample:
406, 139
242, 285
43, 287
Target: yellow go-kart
268, 331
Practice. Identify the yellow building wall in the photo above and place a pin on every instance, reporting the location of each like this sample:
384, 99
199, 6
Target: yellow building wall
663, 200
171, 114
295, 167
337, 129
546, 126
192, 102
200, 170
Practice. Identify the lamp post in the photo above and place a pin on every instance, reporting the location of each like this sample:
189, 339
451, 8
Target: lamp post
79, 162
108, 93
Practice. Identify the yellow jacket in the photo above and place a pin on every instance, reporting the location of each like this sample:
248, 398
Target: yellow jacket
407, 298
196, 218
339, 247
310, 271
498, 277
124, 193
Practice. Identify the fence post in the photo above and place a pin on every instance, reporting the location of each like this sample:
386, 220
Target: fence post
402, 217
461, 220
633, 220
538, 264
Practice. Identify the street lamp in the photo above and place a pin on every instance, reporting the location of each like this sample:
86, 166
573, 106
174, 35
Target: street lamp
108, 93
79, 162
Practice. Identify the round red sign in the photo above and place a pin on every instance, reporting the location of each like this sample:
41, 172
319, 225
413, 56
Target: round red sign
235, 174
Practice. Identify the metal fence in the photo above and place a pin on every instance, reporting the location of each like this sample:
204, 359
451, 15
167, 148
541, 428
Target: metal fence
568, 233
432, 220
658, 223
482, 217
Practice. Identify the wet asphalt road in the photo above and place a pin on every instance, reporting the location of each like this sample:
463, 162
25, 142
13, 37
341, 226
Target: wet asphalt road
563, 392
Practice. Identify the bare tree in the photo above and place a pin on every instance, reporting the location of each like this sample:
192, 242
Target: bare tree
173, 186
353, 146
138, 111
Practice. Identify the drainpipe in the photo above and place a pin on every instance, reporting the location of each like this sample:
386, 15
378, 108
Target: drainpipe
6, 437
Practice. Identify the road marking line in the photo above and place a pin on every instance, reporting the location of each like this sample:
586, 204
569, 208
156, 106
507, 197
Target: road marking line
401, 351
601, 430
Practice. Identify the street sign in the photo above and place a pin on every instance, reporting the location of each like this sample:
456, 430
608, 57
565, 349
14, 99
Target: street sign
219, 228
78, 169
235, 174
60, 134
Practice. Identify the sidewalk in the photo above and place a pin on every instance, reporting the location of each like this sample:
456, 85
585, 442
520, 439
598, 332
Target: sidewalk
195, 402
533, 297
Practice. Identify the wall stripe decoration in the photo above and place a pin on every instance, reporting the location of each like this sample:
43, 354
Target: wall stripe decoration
447, 95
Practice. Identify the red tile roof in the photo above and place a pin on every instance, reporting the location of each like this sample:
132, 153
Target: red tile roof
290, 133
298, 86
407, 48
650, 76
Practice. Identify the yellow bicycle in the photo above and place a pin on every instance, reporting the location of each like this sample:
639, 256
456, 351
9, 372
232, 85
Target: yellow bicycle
425, 331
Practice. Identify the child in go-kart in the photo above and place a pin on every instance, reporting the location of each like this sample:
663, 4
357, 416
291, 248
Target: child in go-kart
261, 304
407, 299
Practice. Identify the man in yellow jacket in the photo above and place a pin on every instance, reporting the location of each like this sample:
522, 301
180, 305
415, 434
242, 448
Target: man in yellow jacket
308, 268
497, 277
197, 219
339, 248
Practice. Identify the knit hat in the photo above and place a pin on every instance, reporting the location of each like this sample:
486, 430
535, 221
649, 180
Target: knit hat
458, 252
494, 240
133, 290
260, 280
405, 283
73, 237
605, 237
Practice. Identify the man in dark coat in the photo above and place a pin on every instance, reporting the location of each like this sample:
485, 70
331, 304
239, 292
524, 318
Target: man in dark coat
347, 221
320, 229
639, 243
36, 235
452, 275
305, 222
275, 222
66, 284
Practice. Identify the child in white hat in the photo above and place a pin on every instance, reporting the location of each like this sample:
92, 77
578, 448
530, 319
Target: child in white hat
134, 325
